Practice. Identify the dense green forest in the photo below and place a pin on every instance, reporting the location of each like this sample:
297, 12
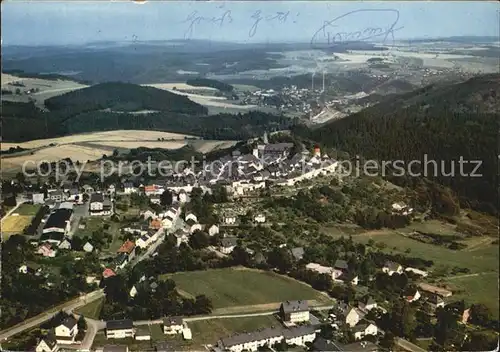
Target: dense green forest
205, 82
123, 97
47, 76
436, 123
109, 106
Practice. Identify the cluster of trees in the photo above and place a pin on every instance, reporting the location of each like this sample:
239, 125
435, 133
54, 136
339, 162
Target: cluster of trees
151, 301
435, 126
206, 82
26, 295
361, 202
448, 241
118, 96
31, 229
202, 204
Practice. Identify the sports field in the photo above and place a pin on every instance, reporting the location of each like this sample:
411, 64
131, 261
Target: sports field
250, 290
15, 224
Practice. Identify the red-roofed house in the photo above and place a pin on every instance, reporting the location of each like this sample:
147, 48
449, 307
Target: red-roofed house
128, 248
108, 273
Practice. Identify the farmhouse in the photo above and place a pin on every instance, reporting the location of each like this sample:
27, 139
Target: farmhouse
392, 268
67, 331
417, 271
172, 325
119, 329
434, 289
294, 311
47, 344
434, 302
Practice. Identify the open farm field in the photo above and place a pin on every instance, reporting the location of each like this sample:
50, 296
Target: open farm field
117, 135
180, 86
50, 154
236, 287
46, 88
478, 288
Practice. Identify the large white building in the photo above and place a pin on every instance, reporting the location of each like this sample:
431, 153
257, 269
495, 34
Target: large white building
67, 331
294, 311
119, 329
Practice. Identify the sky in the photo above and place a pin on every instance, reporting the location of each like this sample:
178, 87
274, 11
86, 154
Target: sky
68, 23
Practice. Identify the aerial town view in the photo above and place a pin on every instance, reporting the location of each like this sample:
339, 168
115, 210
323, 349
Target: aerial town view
249, 176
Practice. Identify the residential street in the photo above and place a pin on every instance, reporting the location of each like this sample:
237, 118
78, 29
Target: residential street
42, 317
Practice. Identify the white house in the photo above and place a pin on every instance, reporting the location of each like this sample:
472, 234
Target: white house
167, 222
392, 268
38, 198
47, 344
362, 330
88, 247
191, 216
195, 227
65, 244
213, 230
172, 325
119, 329
133, 292
182, 196
353, 316
294, 311
259, 218
229, 219
67, 331
413, 296
99, 205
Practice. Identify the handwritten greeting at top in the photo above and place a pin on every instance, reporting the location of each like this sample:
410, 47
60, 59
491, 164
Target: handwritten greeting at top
328, 31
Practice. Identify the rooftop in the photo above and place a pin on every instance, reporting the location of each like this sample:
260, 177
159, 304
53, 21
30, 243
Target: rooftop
295, 306
119, 324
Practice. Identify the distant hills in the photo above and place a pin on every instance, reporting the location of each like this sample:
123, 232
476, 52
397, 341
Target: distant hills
112, 106
444, 122
120, 97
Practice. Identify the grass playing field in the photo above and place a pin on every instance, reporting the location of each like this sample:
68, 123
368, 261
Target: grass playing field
28, 209
232, 287
15, 224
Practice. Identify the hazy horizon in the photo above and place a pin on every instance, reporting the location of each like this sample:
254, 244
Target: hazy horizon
58, 23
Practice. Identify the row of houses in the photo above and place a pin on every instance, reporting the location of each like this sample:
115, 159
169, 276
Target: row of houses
298, 335
120, 329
